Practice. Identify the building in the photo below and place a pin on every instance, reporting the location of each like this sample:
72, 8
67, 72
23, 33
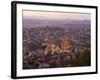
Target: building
65, 44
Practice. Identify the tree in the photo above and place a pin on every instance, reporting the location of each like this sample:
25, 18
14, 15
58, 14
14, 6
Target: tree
85, 58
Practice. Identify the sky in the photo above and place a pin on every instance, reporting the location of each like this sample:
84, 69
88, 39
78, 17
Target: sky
56, 15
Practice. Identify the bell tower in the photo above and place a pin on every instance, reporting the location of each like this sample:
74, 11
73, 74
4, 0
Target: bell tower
65, 43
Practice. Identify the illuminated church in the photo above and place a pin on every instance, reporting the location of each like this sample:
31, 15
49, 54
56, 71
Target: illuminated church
53, 48
65, 44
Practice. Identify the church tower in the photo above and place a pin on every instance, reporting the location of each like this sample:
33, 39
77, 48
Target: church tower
65, 43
